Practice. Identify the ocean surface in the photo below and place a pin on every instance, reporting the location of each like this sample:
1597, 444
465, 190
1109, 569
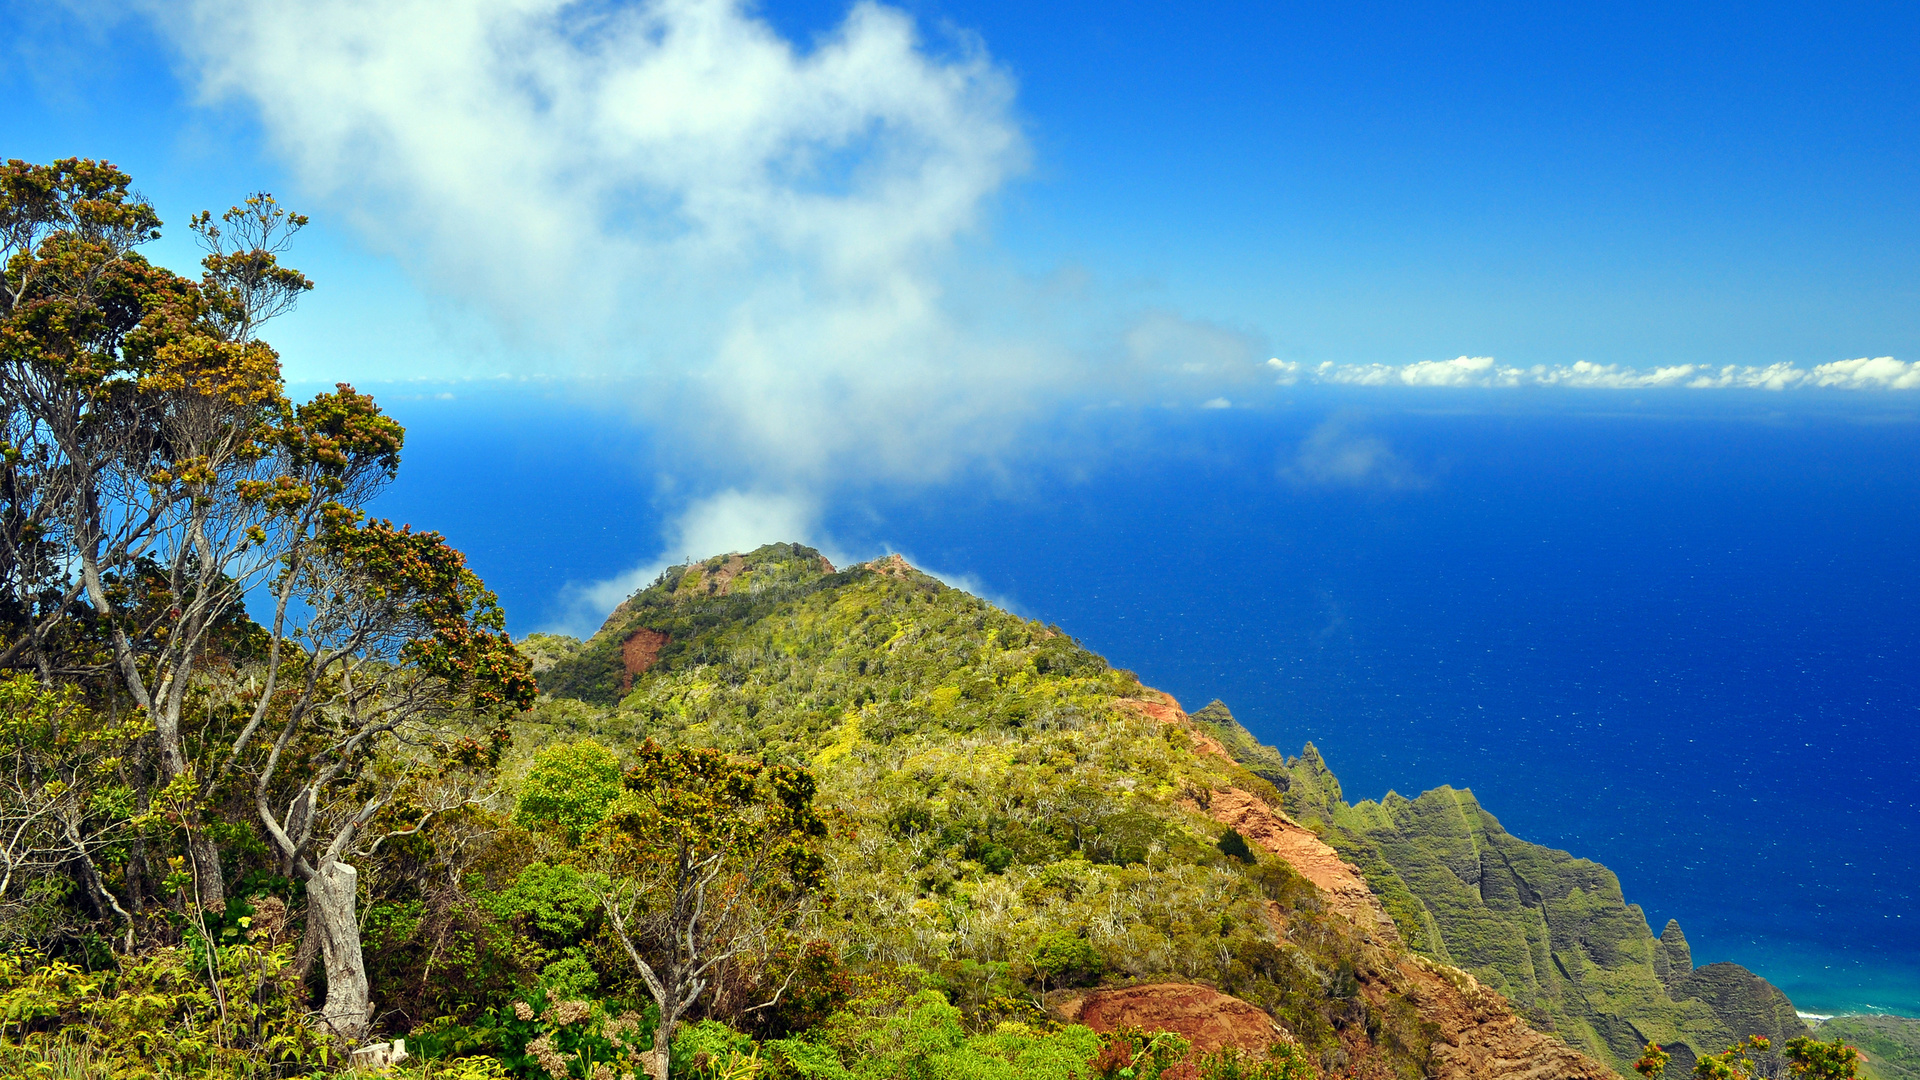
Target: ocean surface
1682, 639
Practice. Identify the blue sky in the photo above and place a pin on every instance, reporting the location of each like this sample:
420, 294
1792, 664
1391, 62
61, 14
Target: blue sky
1639, 184
798, 243
1245, 340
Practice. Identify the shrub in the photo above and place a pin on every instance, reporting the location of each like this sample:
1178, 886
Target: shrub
159, 1015
1133, 1054
544, 1036
1234, 846
710, 1050
1064, 958
1283, 1061
569, 788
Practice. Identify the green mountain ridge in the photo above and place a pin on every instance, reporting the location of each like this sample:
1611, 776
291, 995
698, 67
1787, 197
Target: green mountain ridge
1002, 801
1550, 931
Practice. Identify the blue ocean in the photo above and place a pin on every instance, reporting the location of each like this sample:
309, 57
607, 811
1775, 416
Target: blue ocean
1680, 639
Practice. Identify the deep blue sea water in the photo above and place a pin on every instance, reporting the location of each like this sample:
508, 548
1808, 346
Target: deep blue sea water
1682, 641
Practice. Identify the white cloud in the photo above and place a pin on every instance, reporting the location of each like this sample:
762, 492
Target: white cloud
1463, 371
1878, 373
755, 240
727, 522
1334, 456
1216, 403
1882, 373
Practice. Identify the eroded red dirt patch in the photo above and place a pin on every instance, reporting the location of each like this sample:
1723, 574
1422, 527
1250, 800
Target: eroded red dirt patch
890, 566
1202, 1015
1276, 833
638, 653
1168, 711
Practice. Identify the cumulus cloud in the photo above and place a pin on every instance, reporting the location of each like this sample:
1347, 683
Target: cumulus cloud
1879, 373
1333, 455
753, 238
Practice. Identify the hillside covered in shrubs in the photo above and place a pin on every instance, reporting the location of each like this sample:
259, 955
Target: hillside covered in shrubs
282, 798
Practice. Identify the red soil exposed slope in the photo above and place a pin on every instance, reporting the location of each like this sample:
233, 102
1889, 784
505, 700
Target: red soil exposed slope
638, 653
1478, 1035
1267, 828
1202, 1015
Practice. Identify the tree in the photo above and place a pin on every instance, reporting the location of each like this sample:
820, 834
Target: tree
1807, 1059
148, 451
399, 639
1815, 1060
569, 788
703, 858
61, 799
154, 476
1064, 958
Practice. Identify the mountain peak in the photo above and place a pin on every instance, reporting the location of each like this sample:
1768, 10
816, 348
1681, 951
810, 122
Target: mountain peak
890, 566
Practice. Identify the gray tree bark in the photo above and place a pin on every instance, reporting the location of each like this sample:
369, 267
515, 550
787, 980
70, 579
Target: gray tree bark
209, 873
331, 899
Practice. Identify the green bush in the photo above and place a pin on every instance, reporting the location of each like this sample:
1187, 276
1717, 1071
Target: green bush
924, 1039
545, 1036
1234, 846
710, 1050
226, 1012
1064, 958
569, 788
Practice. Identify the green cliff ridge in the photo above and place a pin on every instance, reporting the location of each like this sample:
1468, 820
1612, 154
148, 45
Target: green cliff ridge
1550, 931
1008, 799
1004, 801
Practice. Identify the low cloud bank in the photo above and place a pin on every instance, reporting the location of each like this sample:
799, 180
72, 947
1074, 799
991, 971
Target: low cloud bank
760, 244
1866, 373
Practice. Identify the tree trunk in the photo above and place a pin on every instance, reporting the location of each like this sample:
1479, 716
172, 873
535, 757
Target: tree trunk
208, 876
657, 1059
330, 909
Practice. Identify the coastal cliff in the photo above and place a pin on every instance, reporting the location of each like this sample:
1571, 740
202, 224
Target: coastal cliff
1018, 799
1550, 931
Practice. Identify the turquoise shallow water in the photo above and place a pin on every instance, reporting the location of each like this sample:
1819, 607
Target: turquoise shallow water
1836, 982
1684, 645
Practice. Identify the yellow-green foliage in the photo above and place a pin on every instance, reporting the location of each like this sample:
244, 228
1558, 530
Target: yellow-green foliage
1892, 1043
569, 787
925, 1036
158, 1017
996, 804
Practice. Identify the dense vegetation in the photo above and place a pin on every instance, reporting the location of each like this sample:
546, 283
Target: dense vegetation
278, 784
1007, 828
261, 801
1891, 1043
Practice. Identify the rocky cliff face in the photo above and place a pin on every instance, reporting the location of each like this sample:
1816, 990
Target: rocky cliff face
1550, 931
1672, 957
